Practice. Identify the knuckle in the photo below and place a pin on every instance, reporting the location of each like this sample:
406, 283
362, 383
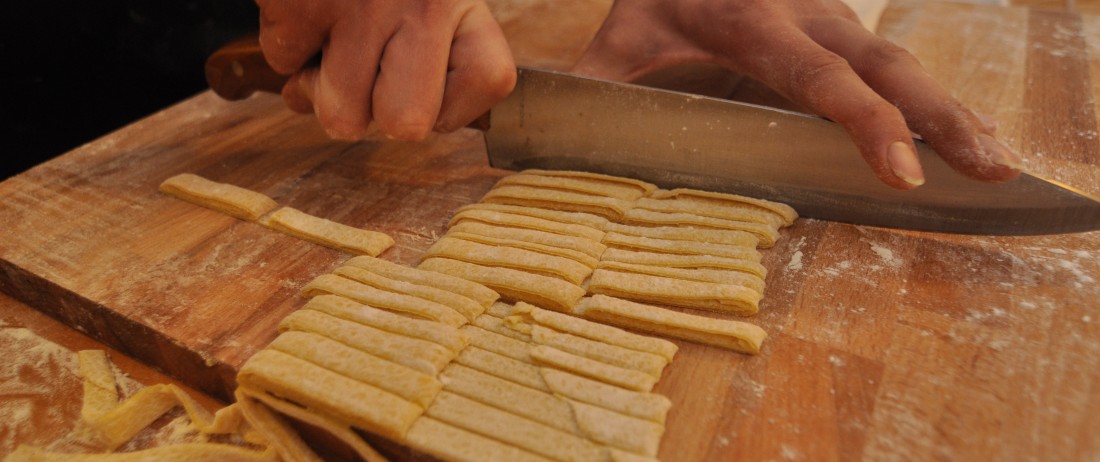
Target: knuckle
818, 68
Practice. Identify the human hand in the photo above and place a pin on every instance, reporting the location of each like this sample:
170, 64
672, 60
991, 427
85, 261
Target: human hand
408, 66
818, 55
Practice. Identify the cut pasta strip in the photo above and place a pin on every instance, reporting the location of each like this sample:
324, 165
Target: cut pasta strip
719, 276
787, 212
575, 255
328, 233
469, 289
411, 385
604, 352
423, 329
617, 430
728, 211
533, 404
357, 403
271, 414
766, 233
100, 389
501, 326
643, 186
595, 331
509, 257
680, 247
734, 335
614, 375
607, 207
449, 442
344, 287
584, 245
420, 355
685, 261
523, 373
499, 344
649, 406
676, 292
684, 233
578, 218
226, 198
465, 306
512, 429
526, 222
626, 192
546, 291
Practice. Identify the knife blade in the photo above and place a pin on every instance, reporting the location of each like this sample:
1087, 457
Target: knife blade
555, 120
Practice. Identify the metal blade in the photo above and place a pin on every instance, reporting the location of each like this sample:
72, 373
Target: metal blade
559, 121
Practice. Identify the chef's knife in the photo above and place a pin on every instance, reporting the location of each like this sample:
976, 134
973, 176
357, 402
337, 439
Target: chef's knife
559, 121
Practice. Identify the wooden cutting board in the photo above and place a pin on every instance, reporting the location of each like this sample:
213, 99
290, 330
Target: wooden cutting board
884, 344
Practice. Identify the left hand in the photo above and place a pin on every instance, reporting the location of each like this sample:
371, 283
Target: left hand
817, 54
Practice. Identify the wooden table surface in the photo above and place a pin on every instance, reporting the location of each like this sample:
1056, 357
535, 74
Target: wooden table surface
884, 344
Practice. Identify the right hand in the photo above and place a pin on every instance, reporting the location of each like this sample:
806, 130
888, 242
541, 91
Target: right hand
408, 66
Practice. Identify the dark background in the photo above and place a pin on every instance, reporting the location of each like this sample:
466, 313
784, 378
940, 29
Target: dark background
76, 70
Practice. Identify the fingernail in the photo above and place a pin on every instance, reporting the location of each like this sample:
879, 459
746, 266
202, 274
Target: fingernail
903, 161
1000, 154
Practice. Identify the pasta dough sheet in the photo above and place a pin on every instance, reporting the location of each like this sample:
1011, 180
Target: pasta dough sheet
595, 331
649, 406
226, 198
614, 375
539, 406
329, 233
675, 292
449, 442
734, 335
507, 368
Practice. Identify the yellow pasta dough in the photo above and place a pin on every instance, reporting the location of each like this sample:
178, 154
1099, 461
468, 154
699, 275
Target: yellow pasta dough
579, 218
546, 291
678, 247
783, 210
607, 207
402, 303
734, 335
676, 292
590, 247
509, 257
469, 289
226, 198
465, 306
767, 234
526, 222
328, 233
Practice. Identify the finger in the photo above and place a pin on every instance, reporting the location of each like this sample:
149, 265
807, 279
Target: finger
291, 32
341, 91
298, 90
409, 89
824, 83
961, 137
482, 74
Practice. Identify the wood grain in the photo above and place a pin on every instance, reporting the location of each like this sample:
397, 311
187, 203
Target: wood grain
885, 344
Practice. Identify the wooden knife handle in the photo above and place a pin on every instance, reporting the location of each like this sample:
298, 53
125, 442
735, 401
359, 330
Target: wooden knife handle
238, 69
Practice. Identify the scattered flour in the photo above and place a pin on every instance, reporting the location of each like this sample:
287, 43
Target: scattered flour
796, 262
